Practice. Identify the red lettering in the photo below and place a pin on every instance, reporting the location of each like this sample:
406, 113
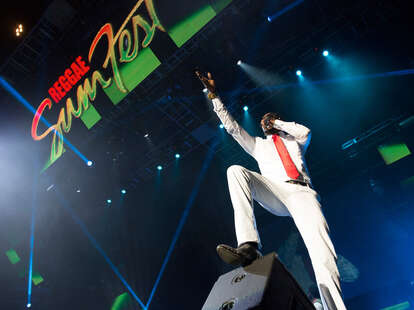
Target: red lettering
59, 89
55, 96
69, 76
46, 102
64, 83
76, 71
82, 65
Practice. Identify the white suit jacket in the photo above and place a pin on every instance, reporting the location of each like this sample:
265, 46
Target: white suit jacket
296, 138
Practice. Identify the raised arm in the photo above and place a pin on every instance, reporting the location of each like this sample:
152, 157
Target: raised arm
246, 141
301, 133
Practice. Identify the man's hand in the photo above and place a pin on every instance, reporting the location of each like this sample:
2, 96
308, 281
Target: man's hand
208, 82
268, 124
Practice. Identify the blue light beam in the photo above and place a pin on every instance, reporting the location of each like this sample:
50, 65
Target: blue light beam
32, 227
96, 245
284, 10
184, 217
23, 101
332, 81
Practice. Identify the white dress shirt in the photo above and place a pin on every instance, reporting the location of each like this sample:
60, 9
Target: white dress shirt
296, 138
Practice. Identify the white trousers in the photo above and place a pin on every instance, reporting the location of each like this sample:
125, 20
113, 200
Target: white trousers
299, 202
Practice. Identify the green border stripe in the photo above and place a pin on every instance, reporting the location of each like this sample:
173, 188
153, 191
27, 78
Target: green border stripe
133, 73
90, 116
393, 152
184, 30
219, 5
401, 306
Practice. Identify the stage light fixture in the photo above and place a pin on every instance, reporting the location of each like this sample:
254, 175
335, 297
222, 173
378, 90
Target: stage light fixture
325, 53
123, 191
146, 135
245, 108
239, 62
89, 163
299, 73
109, 201
269, 19
159, 167
19, 30
78, 190
221, 126
177, 155
29, 305
205, 90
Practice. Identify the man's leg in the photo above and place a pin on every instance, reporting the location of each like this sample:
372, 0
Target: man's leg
244, 186
307, 214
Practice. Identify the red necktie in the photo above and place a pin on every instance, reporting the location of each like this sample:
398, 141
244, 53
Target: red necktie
287, 162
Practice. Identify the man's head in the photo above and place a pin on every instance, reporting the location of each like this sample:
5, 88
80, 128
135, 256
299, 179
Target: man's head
267, 123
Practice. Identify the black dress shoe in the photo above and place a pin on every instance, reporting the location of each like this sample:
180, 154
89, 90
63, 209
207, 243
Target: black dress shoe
244, 255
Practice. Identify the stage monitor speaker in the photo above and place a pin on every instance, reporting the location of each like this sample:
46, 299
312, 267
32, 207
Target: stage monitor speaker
265, 284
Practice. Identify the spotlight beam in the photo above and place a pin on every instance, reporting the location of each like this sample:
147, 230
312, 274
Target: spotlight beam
284, 10
184, 217
96, 245
23, 101
32, 230
333, 81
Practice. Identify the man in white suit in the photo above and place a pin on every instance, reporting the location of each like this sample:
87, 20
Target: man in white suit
283, 188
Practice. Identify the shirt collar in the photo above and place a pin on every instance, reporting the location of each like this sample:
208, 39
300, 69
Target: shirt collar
281, 134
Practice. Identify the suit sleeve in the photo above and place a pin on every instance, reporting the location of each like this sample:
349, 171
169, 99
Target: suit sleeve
246, 141
301, 133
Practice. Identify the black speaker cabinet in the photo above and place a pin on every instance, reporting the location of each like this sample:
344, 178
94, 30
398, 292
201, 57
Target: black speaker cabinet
265, 284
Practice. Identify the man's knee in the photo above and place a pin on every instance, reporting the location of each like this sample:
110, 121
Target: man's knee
235, 170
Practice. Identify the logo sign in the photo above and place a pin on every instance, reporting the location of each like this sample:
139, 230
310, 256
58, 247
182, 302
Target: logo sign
130, 59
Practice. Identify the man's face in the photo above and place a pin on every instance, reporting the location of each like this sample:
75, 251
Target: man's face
267, 123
